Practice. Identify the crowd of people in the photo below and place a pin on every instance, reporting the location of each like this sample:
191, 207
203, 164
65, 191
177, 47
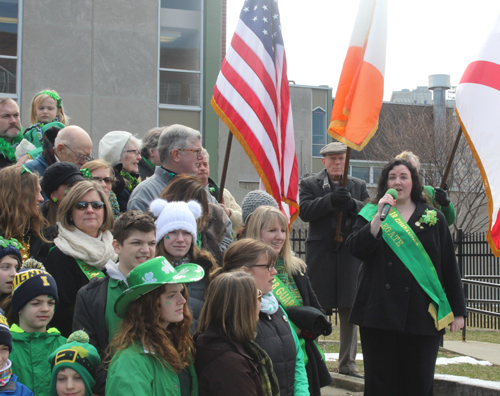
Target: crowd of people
124, 275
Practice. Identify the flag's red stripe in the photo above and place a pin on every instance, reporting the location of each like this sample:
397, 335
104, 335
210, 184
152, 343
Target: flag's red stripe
256, 65
250, 139
483, 73
253, 101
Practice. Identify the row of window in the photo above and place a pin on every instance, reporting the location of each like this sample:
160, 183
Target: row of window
180, 50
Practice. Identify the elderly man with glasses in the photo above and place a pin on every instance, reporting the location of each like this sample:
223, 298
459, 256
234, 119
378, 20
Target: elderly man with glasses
73, 144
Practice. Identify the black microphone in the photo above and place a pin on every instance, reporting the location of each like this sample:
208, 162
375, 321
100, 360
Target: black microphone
387, 207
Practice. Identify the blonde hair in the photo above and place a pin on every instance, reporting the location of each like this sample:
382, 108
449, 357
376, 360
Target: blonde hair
408, 155
262, 217
231, 305
65, 210
99, 164
39, 98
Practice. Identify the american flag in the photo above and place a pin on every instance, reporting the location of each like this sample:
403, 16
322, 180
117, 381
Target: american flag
252, 97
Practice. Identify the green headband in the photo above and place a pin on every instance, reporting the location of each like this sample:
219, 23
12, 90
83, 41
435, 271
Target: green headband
10, 242
53, 95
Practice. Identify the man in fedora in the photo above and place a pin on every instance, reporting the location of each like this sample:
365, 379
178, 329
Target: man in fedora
331, 269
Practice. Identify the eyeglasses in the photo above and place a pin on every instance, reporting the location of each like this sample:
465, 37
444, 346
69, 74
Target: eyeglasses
107, 180
197, 152
270, 267
82, 205
259, 295
80, 157
136, 152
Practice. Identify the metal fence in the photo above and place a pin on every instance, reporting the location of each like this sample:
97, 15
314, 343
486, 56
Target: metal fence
480, 271
481, 278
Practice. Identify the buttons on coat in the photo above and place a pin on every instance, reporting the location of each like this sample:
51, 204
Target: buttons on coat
389, 264
407, 289
387, 286
285, 318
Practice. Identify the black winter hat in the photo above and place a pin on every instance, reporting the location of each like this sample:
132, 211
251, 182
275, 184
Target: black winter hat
59, 173
5, 336
31, 283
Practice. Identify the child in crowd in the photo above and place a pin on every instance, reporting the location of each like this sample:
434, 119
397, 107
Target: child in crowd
10, 261
73, 366
134, 242
153, 351
30, 309
46, 106
8, 380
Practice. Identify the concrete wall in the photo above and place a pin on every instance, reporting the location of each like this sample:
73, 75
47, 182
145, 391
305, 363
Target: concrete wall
100, 55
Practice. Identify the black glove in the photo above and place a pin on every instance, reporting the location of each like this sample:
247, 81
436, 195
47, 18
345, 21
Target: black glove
441, 197
341, 199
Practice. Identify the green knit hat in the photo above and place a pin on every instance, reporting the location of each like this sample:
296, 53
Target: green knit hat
76, 354
152, 274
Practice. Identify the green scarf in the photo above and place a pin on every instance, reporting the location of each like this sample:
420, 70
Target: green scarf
288, 281
113, 201
133, 182
405, 244
8, 150
267, 375
150, 164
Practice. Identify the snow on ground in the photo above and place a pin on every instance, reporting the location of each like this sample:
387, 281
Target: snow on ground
333, 357
469, 381
460, 360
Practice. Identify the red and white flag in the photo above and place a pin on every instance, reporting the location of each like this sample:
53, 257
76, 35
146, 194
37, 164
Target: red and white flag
477, 108
252, 97
361, 86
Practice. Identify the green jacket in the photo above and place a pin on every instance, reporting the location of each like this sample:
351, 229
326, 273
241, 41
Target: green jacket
448, 211
29, 357
134, 372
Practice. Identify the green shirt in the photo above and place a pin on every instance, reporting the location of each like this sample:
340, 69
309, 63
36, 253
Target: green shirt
115, 289
134, 372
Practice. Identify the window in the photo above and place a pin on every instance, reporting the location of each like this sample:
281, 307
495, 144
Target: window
318, 131
180, 52
369, 171
9, 59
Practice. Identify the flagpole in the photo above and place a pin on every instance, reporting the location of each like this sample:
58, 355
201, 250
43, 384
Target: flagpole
338, 236
224, 167
450, 160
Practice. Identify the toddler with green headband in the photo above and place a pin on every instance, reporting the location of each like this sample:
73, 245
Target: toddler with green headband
46, 107
10, 262
73, 366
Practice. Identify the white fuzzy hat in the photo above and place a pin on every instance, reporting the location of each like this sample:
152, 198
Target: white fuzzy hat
112, 145
172, 216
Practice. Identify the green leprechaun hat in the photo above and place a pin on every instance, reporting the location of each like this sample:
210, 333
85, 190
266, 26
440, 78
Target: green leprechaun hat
152, 274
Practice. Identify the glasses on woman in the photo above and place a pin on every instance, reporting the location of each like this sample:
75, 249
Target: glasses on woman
135, 152
259, 295
270, 267
107, 180
82, 205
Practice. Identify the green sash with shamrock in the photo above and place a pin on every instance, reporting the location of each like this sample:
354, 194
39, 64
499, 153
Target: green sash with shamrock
403, 241
286, 298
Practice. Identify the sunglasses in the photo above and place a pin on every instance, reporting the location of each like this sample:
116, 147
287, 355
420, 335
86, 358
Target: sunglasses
270, 267
107, 180
82, 205
259, 295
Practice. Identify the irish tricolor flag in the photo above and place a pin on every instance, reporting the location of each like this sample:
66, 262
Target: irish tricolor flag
361, 86
478, 111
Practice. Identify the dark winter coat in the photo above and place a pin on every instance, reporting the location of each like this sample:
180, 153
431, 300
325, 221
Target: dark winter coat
388, 296
223, 367
332, 274
274, 335
69, 278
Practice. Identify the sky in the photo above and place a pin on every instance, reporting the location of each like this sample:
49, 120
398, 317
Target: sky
424, 37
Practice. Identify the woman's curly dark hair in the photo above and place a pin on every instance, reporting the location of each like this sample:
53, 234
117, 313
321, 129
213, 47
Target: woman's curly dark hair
417, 186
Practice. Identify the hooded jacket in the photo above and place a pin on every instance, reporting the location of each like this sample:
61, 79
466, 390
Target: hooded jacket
29, 357
135, 372
14, 388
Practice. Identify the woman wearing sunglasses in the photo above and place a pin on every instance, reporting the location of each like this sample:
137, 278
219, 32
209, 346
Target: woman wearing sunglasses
102, 172
274, 333
82, 248
228, 361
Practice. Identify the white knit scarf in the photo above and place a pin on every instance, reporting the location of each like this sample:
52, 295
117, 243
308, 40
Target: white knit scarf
269, 303
94, 251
